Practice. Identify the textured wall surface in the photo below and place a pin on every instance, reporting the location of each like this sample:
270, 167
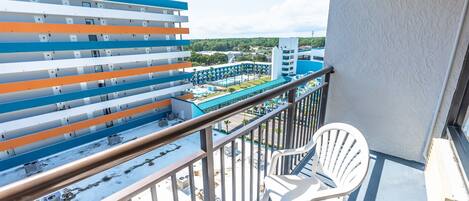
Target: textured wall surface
454, 73
391, 58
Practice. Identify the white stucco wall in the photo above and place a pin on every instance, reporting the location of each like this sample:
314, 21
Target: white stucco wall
461, 47
276, 63
182, 108
391, 58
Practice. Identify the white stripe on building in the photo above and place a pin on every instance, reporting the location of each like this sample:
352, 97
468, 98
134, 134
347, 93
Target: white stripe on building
17, 67
7, 6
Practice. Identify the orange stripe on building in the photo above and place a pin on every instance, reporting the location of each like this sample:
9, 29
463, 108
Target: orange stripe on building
44, 83
36, 137
27, 27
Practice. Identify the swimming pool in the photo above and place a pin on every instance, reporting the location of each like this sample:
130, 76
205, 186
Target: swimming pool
202, 91
234, 80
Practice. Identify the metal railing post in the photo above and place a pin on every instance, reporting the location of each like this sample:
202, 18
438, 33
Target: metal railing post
290, 126
323, 102
154, 196
208, 172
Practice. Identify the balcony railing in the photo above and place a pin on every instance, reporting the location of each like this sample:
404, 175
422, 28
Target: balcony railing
242, 156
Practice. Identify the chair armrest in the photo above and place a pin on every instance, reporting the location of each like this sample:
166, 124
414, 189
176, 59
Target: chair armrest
286, 152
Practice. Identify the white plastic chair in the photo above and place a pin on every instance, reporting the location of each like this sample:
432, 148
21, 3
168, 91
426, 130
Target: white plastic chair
341, 156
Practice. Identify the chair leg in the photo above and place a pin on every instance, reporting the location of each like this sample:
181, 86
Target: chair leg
265, 197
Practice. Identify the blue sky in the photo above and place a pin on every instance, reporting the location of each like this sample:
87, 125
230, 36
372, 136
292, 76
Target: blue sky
256, 18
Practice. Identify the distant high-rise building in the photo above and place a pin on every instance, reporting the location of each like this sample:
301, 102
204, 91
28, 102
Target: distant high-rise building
284, 58
73, 71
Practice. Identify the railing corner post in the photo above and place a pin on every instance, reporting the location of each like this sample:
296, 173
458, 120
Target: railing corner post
323, 102
208, 172
289, 130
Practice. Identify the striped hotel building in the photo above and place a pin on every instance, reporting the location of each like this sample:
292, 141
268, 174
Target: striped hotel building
74, 71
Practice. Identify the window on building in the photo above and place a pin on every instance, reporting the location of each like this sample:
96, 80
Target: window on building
93, 37
102, 84
86, 4
89, 21
105, 98
318, 58
95, 53
98, 69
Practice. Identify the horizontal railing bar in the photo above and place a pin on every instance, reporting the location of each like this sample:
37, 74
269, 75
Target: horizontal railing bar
62, 176
153, 179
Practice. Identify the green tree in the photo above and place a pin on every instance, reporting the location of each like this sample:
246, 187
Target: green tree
210, 76
260, 58
207, 60
227, 123
245, 122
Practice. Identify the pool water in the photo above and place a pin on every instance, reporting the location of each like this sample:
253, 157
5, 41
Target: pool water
202, 91
234, 80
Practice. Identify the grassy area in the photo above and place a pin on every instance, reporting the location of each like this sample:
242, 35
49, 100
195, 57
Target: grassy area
213, 95
250, 83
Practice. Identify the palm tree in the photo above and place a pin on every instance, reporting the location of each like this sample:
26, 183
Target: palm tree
277, 131
230, 73
263, 127
210, 77
245, 122
227, 123
271, 104
226, 79
243, 71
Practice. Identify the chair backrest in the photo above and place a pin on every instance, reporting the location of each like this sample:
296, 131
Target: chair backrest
342, 154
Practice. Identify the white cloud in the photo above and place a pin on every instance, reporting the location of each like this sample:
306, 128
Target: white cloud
286, 18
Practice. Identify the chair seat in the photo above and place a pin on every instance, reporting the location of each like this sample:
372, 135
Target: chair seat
292, 187
340, 148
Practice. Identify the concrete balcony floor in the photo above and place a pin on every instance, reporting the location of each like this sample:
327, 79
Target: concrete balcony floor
389, 179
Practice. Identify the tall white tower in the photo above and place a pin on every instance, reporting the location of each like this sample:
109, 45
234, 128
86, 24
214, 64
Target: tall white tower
276, 71
284, 57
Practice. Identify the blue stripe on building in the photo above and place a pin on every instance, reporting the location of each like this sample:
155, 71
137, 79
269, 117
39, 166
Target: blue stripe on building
158, 3
91, 45
74, 142
25, 104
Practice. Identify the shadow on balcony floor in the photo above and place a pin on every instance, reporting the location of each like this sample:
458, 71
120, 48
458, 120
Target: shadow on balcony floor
389, 178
